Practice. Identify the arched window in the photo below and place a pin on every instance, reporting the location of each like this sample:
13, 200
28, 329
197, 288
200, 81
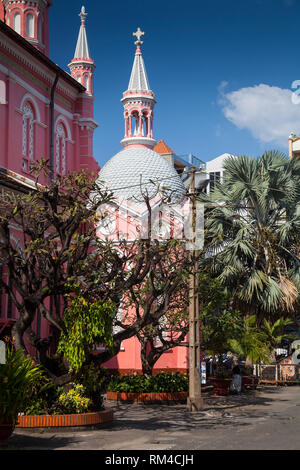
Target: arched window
87, 82
28, 137
2, 92
30, 25
17, 23
60, 149
134, 123
145, 122
40, 29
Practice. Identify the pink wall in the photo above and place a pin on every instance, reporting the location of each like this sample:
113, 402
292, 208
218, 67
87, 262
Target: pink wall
75, 118
26, 80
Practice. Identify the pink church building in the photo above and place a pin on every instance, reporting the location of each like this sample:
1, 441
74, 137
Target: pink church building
48, 113
45, 112
139, 164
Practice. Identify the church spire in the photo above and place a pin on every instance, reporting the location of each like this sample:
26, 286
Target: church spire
139, 102
82, 48
82, 66
138, 79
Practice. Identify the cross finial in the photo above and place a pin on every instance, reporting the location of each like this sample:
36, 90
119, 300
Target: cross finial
138, 35
83, 15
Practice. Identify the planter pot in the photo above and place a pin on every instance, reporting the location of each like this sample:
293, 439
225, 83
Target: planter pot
6, 431
147, 397
221, 386
57, 421
249, 383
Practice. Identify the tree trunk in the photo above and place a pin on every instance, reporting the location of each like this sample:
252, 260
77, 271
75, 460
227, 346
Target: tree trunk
147, 366
22, 324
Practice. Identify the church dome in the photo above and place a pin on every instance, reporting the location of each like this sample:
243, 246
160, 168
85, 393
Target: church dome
138, 169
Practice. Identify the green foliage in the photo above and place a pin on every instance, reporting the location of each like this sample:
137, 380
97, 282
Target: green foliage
95, 380
220, 323
252, 229
60, 223
253, 344
76, 398
40, 398
273, 333
160, 383
258, 343
17, 377
87, 324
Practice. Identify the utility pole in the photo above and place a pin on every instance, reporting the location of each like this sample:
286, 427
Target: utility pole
195, 400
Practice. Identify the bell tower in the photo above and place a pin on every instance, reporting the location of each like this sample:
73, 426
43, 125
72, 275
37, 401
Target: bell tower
138, 102
82, 66
30, 19
82, 69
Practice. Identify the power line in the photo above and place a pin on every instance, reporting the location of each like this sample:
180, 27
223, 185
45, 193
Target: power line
211, 205
158, 180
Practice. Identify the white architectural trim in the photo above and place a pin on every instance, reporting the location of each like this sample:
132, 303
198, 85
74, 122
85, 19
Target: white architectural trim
30, 98
61, 118
88, 122
35, 65
34, 92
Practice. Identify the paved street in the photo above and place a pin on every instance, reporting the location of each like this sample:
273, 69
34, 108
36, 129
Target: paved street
263, 420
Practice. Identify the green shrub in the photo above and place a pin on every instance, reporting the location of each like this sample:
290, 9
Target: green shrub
95, 381
160, 383
17, 378
45, 398
41, 397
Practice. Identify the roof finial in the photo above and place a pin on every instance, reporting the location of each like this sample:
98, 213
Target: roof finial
83, 15
138, 35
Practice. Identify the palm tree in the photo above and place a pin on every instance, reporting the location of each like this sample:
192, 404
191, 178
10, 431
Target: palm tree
258, 344
274, 333
251, 344
253, 233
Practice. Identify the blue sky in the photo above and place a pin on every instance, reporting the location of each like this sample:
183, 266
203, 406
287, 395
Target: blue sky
221, 71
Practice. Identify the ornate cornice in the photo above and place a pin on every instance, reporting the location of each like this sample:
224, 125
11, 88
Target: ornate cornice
144, 141
36, 62
40, 3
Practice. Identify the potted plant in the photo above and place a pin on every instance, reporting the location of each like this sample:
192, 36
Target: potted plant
78, 403
221, 382
17, 377
168, 386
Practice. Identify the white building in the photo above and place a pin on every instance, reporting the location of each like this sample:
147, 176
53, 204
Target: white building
215, 170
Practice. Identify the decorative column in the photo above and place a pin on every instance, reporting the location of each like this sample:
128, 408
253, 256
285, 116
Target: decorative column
140, 124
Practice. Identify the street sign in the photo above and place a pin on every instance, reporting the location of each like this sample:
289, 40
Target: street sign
2, 353
203, 373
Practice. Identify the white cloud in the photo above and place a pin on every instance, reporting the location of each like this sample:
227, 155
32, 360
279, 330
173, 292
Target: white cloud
268, 112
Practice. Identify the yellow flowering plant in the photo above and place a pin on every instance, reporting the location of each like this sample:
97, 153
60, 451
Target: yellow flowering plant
74, 400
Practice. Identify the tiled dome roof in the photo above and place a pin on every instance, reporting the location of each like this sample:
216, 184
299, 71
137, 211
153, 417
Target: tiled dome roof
124, 173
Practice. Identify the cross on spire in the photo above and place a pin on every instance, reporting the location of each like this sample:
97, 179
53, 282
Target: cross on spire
83, 15
138, 35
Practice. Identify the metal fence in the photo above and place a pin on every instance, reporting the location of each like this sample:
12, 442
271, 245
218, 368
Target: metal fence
278, 372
